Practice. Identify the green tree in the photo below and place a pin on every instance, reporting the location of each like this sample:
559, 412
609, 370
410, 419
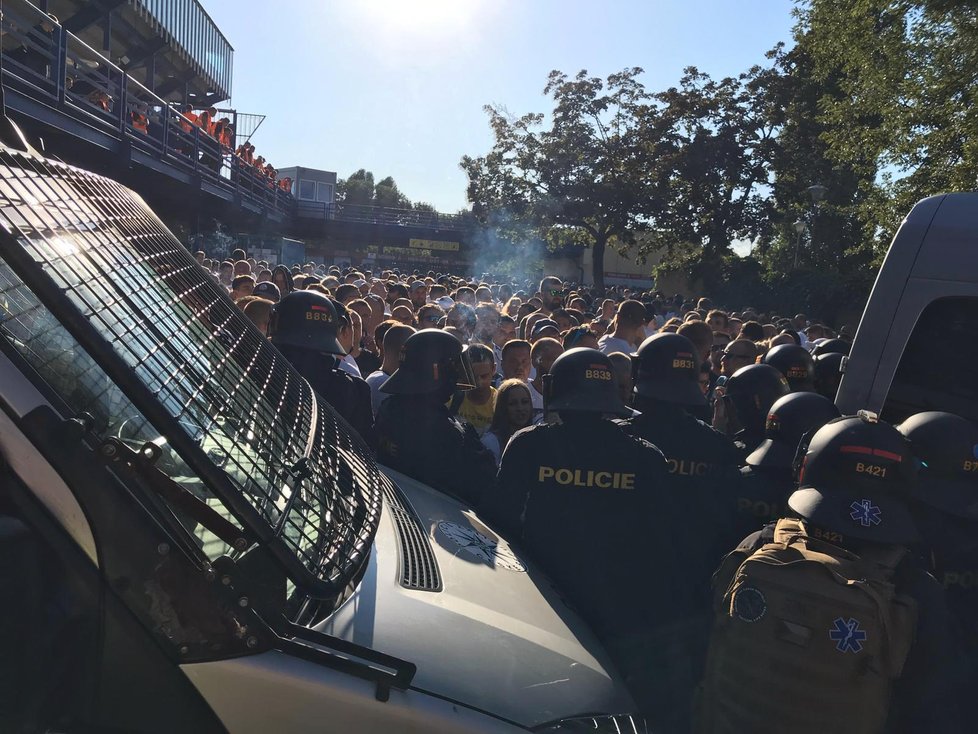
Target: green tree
387, 194
357, 189
908, 101
714, 143
584, 179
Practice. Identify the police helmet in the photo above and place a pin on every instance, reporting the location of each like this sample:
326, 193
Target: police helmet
825, 346
582, 379
828, 373
796, 364
752, 390
854, 478
306, 320
431, 362
666, 370
947, 446
790, 418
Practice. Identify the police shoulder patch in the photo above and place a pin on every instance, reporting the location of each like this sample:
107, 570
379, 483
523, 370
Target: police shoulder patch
749, 604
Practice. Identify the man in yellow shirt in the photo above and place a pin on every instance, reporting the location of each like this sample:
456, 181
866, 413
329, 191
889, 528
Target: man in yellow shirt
477, 406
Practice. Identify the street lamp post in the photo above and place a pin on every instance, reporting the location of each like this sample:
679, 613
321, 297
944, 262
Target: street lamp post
800, 227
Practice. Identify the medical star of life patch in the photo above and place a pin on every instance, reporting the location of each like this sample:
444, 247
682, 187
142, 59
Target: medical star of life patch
847, 635
866, 513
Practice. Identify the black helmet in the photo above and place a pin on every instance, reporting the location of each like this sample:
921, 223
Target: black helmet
431, 362
667, 370
828, 373
789, 419
306, 320
852, 480
947, 446
582, 379
753, 390
796, 364
826, 346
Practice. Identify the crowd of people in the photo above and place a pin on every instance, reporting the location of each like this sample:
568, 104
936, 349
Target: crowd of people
750, 559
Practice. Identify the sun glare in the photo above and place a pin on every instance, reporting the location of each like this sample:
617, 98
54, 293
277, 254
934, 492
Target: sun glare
420, 14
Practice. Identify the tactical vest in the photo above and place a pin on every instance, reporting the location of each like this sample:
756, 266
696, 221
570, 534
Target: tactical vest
807, 637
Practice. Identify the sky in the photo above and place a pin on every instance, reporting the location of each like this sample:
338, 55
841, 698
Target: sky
398, 86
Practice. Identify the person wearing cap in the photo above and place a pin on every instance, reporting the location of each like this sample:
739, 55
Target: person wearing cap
945, 510
542, 356
418, 293
305, 328
267, 290
851, 515
418, 435
592, 507
769, 477
544, 328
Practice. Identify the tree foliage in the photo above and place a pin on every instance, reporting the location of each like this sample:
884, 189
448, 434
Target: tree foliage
582, 179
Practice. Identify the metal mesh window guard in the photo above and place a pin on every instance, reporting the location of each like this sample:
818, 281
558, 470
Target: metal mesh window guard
290, 471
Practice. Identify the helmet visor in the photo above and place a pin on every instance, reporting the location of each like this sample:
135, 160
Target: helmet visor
464, 377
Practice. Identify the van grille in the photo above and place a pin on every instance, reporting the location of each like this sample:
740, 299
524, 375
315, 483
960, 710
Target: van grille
419, 569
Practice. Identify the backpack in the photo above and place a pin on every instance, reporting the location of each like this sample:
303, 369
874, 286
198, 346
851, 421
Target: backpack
807, 637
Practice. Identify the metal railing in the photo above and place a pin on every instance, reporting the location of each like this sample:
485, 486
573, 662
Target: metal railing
372, 214
46, 63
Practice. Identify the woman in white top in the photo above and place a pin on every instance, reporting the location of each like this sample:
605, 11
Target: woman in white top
514, 410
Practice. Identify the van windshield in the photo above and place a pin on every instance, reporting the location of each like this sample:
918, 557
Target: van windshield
86, 266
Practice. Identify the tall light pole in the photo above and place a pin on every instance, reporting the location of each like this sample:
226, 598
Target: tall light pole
800, 227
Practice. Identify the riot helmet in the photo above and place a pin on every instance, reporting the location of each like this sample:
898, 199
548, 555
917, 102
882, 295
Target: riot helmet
789, 420
828, 373
825, 346
306, 320
666, 370
947, 447
854, 478
432, 363
796, 364
583, 380
752, 391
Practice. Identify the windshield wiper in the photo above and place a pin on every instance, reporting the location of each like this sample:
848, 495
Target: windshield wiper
116, 454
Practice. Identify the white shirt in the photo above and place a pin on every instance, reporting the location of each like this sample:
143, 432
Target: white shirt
609, 344
491, 441
349, 364
375, 380
537, 399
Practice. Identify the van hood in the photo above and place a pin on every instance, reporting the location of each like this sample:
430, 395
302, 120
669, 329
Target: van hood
496, 636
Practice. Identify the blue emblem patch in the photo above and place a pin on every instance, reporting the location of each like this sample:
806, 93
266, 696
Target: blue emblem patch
866, 513
749, 604
974, 450
847, 635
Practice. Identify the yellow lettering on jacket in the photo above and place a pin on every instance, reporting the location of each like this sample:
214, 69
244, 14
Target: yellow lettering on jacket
586, 478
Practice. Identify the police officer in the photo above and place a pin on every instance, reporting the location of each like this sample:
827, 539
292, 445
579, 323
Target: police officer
304, 327
796, 364
747, 396
417, 433
593, 508
828, 373
946, 512
704, 463
768, 478
828, 346
889, 644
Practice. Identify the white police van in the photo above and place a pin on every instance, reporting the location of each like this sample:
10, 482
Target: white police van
190, 541
916, 347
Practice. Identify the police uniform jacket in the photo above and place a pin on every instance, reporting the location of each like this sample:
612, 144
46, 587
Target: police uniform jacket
762, 497
925, 697
349, 395
951, 552
705, 467
418, 436
594, 509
